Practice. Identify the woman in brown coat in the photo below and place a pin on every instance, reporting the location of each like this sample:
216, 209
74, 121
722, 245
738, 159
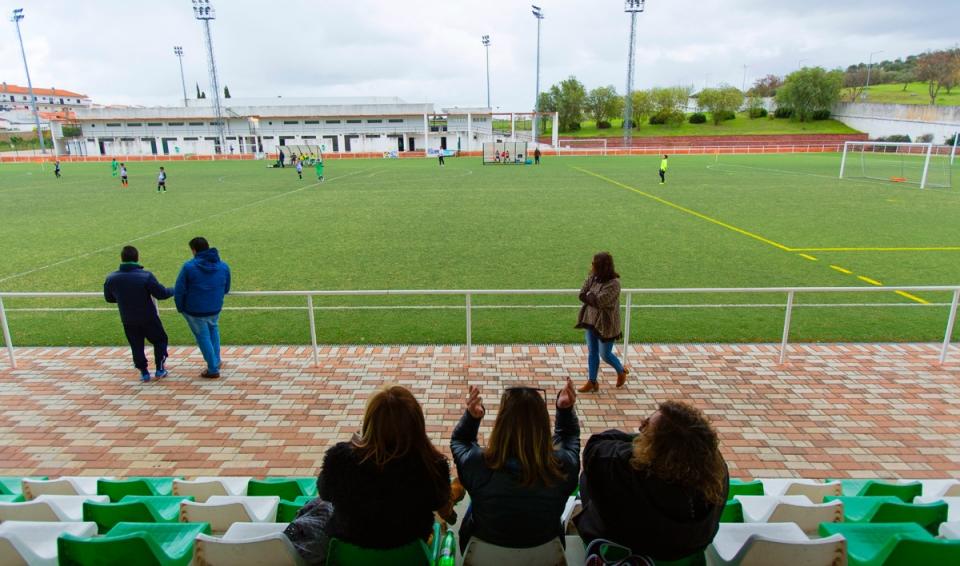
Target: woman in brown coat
600, 316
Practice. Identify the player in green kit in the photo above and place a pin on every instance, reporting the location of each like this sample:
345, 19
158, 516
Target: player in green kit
663, 170
318, 165
114, 167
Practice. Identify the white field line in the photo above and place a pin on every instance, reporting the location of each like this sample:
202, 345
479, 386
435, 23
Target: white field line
170, 229
504, 307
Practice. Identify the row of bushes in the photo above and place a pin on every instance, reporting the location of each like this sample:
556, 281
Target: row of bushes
785, 112
667, 117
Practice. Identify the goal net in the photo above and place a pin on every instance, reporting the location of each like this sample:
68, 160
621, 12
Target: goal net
598, 145
923, 164
505, 153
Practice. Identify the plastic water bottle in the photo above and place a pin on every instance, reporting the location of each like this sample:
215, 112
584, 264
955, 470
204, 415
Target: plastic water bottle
448, 550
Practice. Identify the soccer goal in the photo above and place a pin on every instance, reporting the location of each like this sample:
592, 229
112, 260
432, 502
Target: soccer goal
598, 145
505, 153
923, 164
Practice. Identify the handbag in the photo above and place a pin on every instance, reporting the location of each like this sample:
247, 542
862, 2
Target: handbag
603, 552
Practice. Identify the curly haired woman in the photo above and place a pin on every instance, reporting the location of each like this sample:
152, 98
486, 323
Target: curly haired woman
659, 492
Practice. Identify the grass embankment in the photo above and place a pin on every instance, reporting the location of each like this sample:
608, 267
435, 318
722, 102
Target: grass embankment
741, 126
916, 93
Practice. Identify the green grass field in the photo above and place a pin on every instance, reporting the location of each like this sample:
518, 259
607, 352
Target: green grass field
916, 93
731, 221
741, 126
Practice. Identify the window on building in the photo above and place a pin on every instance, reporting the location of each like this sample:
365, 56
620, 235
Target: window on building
173, 124
190, 139
291, 122
268, 137
310, 122
196, 123
395, 120
155, 124
377, 121
333, 121
309, 137
113, 125
134, 124
373, 135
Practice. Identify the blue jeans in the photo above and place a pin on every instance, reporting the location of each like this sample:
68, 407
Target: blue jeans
207, 334
596, 349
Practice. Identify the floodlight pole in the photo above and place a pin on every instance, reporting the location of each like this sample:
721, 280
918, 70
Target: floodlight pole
537, 13
953, 152
203, 11
17, 16
178, 51
486, 45
632, 7
866, 90
743, 88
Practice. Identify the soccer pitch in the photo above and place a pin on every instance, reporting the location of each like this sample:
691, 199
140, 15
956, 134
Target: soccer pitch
727, 221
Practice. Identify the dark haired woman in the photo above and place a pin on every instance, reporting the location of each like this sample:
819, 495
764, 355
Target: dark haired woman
659, 492
520, 483
600, 316
380, 489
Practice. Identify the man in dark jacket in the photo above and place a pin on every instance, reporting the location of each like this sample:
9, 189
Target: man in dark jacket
131, 288
660, 493
201, 286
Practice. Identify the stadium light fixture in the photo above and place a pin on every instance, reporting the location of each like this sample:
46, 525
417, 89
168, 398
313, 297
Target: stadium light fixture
486, 44
204, 12
538, 14
866, 89
17, 16
632, 7
178, 51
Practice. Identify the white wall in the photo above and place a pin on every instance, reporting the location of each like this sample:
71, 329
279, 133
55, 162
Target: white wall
914, 120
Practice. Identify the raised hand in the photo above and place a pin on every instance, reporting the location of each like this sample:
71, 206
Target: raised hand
475, 403
568, 396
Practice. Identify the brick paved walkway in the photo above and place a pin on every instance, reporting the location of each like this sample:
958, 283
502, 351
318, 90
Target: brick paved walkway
874, 410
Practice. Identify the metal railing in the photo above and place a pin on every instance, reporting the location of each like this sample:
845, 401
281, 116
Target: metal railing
468, 295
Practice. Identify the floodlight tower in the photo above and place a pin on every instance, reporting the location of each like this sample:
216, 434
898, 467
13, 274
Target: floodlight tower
537, 13
632, 7
17, 16
204, 12
486, 44
178, 51
866, 90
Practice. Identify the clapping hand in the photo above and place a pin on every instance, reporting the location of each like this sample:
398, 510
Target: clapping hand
475, 403
567, 396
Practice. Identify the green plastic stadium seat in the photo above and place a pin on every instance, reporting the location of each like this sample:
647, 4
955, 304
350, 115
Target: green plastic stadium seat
284, 488
341, 553
732, 512
698, 559
889, 509
12, 485
118, 489
11, 498
740, 487
134, 509
133, 543
287, 511
905, 491
893, 544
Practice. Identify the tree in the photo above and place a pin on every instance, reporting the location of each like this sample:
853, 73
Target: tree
602, 104
855, 81
641, 106
198, 91
569, 97
938, 69
226, 91
545, 103
905, 76
669, 104
766, 87
810, 89
721, 102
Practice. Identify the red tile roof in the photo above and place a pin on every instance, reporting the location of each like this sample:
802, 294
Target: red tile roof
16, 89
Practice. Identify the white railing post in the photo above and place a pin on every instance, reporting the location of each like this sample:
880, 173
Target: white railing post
313, 332
469, 328
6, 335
948, 335
626, 330
786, 327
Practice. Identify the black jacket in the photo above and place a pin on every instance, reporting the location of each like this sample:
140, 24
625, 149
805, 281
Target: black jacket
381, 509
502, 511
131, 287
651, 516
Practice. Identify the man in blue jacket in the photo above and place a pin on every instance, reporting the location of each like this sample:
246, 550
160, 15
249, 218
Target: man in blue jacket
131, 288
201, 286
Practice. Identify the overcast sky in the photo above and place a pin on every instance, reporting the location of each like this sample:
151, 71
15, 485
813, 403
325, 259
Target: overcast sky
121, 51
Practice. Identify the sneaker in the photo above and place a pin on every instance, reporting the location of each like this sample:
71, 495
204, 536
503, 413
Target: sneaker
209, 374
144, 376
161, 373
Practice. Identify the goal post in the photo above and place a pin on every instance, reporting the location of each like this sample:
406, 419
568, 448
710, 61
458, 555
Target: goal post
598, 145
505, 153
923, 164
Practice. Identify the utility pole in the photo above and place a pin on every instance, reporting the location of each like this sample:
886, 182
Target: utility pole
537, 13
17, 16
486, 44
866, 89
204, 12
178, 51
744, 87
632, 7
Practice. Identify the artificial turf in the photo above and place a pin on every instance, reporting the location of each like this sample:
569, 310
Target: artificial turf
727, 221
